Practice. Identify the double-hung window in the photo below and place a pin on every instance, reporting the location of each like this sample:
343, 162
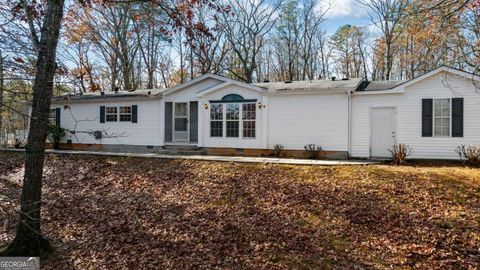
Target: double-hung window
248, 120
216, 120
125, 113
52, 117
111, 114
441, 117
233, 119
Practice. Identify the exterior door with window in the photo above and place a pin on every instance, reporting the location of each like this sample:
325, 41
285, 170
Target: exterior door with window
180, 122
382, 132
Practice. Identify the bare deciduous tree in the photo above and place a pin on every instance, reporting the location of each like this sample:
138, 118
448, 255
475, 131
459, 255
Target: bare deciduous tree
246, 32
387, 15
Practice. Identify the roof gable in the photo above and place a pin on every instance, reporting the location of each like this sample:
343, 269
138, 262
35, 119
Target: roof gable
224, 82
217, 87
445, 69
400, 88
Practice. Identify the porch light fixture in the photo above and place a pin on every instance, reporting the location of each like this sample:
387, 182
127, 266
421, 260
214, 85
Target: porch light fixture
259, 105
205, 106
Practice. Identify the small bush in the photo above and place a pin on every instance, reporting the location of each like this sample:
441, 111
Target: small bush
55, 134
278, 150
400, 153
470, 154
313, 151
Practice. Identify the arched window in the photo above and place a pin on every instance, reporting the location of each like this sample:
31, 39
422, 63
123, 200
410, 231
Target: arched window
233, 98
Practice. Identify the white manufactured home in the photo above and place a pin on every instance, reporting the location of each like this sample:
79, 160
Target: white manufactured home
433, 114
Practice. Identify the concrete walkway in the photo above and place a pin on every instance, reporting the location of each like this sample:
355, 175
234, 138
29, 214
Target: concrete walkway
214, 158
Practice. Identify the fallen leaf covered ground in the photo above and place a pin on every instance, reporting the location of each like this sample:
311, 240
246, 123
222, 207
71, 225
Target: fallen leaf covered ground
134, 213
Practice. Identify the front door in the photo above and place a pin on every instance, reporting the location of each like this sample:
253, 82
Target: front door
382, 132
180, 122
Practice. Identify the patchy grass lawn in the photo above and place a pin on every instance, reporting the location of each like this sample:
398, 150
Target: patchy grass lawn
133, 213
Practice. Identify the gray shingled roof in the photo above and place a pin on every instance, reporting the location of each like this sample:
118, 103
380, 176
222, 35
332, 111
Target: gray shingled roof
98, 95
380, 85
309, 86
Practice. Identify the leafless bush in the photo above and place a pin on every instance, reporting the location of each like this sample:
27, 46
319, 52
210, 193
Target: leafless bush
400, 153
470, 154
278, 150
313, 151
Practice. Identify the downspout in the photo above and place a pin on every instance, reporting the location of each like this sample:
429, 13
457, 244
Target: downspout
349, 123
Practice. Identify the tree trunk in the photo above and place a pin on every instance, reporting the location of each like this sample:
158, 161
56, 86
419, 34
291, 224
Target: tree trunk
29, 240
2, 84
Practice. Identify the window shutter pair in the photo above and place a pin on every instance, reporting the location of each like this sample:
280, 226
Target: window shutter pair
456, 121
134, 114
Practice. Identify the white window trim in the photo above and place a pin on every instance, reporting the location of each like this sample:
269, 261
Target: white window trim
108, 114
120, 113
240, 121
449, 119
52, 117
249, 120
217, 120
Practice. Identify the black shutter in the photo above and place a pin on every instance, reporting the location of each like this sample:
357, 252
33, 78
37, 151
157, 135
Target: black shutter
427, 117
102, 114
457, 117
168, 121
193, 121
57, 117
134, 113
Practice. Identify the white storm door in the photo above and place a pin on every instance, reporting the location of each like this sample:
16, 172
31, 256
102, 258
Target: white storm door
382, 132
180, 122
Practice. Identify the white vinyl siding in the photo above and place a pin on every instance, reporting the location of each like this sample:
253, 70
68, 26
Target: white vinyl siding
300, 119
409, 117
84, 119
